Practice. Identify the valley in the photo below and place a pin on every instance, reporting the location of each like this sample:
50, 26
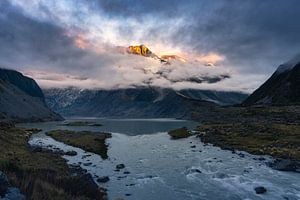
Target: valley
122, 143
149, 100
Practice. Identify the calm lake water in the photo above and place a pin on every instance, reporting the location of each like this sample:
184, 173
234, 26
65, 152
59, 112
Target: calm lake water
157, 167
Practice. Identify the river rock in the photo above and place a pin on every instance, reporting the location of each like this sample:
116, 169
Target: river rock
195, 171
87, 164
85, 156
103, 179
3, 184
13, 194
71, 153
120, 166
260, 190
285, 165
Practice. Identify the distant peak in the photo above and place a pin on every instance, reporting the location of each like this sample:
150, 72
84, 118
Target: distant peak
289, 65
143, 50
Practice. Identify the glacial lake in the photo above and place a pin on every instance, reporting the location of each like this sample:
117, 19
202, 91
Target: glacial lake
166, 169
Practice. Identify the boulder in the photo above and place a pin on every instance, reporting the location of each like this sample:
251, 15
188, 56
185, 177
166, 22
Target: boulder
285, 165
103, 179
195, 171
71, 153
260, 190
3, 184
120, 166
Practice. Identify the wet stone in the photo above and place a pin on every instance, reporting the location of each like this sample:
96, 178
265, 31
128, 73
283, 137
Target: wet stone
196, 171
71, 153
260, 190
103, 179
87, 164
120, 166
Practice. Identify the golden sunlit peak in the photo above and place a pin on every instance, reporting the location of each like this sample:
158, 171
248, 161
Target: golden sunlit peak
145, 51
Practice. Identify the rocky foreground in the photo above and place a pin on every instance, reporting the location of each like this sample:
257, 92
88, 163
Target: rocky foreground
39, 174
260, 130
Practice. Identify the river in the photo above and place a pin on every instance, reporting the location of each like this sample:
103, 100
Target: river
157, 167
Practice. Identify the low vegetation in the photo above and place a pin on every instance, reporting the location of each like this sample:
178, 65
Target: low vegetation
179, 133
89, 141
272, 131
81, 123
41, 175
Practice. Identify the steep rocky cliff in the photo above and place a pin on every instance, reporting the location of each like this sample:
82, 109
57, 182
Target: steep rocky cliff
22, 100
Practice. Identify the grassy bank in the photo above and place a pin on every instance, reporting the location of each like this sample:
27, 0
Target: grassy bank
179, 133
271, 131
89, 141
41, 175
81, 123
277, 140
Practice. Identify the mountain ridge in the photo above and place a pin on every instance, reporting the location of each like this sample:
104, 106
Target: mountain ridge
145, 102
22, 100
282, 88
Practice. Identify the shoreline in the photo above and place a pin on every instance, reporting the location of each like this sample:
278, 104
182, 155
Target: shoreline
273, 131
42, 174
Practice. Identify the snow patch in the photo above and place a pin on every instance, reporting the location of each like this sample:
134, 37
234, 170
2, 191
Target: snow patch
288, 65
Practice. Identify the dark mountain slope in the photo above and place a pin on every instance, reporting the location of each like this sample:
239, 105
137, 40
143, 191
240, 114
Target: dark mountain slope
26, 84
282, 88
22, 100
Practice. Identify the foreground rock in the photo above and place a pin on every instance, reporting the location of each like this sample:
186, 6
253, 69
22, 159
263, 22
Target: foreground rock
179, 133
7, 192
3, 184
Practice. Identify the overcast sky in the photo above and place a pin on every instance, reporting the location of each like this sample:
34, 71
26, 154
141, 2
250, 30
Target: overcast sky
228, 44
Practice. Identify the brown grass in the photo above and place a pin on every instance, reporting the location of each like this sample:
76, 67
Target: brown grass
41, 175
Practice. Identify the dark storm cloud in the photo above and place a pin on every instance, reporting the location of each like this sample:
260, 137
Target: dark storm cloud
24, 41
255, 36
137, 9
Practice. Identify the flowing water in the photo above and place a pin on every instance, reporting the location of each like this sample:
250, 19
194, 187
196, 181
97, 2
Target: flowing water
157, 167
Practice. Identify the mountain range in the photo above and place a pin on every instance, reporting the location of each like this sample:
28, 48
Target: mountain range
147, 102
21, 99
